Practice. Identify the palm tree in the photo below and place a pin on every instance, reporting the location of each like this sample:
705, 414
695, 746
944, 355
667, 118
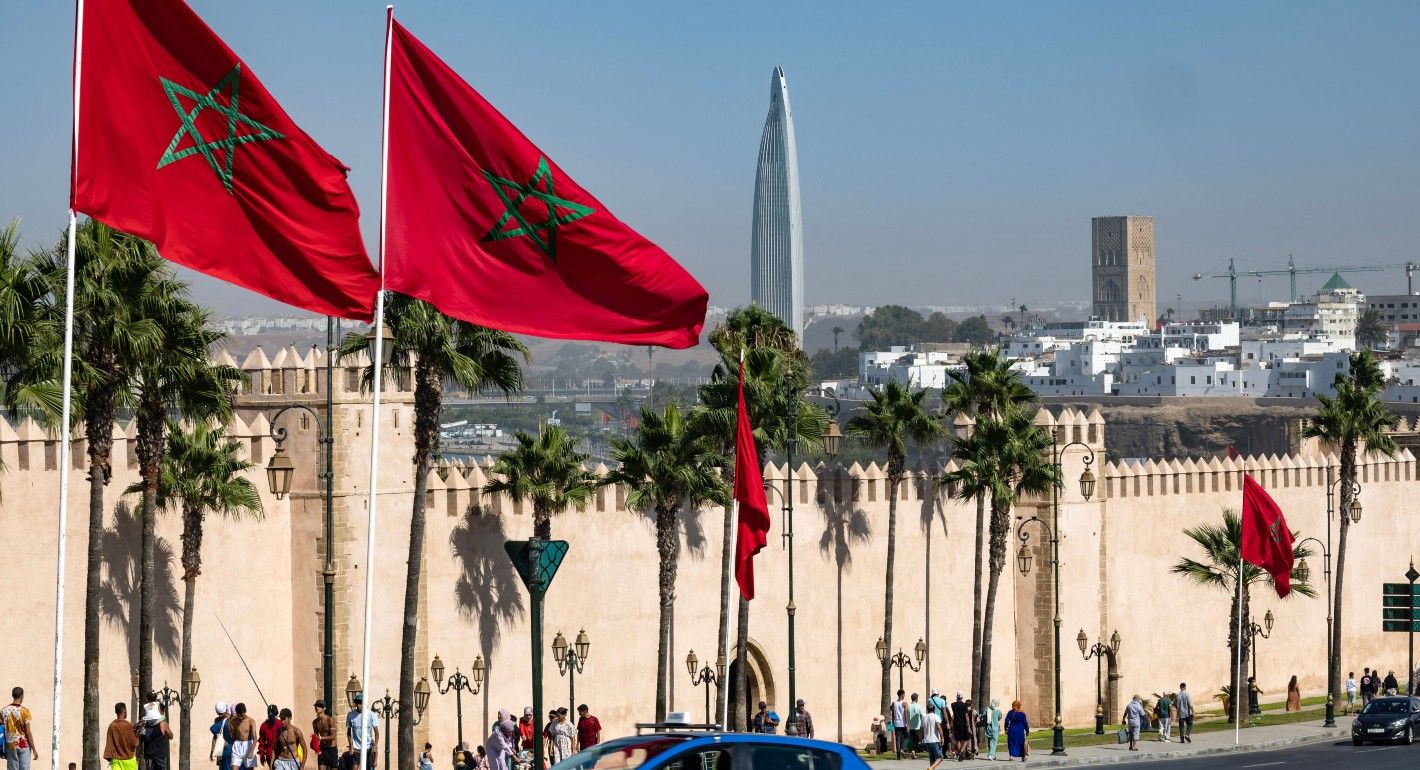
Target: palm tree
1006, 456
547, 471
987, 386
179, 376
1219, 569
837, 330
1356, 415
202, 471
24, 328
1371, 331
774, 365
115, 276
434, 349
666, 469
894, 417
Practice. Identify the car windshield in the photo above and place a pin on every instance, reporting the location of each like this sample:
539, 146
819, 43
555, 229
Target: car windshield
1387, 706
621, 754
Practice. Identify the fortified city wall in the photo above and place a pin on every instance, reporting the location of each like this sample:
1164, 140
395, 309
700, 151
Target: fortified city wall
263, 578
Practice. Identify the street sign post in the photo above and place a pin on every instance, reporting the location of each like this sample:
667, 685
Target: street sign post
1400, 612
537, 561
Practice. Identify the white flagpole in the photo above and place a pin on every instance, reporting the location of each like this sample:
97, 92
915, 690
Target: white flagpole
730, 602
1238, 698
65, 413
378, 331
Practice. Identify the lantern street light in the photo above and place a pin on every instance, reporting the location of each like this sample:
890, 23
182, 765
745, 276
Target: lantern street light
458, 684
1023, 556
705, 676
1099, 651
901, 660
352, 689
387, 709
1339, 502
184, 699
570, 661
1264, 631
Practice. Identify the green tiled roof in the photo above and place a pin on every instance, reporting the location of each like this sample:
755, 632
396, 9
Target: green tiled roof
1337, 283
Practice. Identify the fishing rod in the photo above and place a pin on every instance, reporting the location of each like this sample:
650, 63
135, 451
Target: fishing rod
264, 701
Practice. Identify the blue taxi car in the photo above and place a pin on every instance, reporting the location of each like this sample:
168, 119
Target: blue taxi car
682, 747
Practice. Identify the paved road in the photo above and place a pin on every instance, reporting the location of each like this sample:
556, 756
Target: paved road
1317, 755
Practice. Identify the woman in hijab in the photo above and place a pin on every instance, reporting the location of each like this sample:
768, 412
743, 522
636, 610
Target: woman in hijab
1017, 727
993, 728
502, 742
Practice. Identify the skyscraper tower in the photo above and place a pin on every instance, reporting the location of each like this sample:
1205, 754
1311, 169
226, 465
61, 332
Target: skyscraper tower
1122, 267
777, 241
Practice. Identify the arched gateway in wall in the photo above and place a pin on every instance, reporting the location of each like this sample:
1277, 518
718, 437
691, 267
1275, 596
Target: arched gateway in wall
761, 681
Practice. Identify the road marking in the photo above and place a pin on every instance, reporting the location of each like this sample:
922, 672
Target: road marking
1264, 764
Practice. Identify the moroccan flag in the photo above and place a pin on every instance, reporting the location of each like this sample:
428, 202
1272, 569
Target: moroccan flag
484, 226
753, 530
1266, 540
178, 142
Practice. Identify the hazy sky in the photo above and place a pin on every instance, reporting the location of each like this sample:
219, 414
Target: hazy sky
949, 152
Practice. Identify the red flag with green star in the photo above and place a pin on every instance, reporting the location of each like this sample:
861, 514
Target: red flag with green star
178, 142
483, 225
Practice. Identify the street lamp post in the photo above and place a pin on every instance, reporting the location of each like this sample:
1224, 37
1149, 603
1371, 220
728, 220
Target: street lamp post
387, 709
1333, 662
1304, 573
705, 676
1411, 575
1264, 631
1023, 557
184, 699
458, 684
1098, 651
570, 661
901, 660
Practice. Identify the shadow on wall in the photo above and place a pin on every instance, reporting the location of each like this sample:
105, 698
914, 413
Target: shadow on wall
845, 526
118, 601
488, 588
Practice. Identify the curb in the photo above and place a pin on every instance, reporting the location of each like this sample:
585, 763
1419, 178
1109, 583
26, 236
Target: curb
1164, 756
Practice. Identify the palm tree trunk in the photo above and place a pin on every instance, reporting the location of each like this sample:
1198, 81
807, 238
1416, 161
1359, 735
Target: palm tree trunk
1000, 528
888, 582
151, 421
669, 552
98, 430
722, 693
1348, 482
976, 599
742, 656
1238, 664
185, 725
428, 404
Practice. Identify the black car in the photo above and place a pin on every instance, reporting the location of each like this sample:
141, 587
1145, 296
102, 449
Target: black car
1395, 718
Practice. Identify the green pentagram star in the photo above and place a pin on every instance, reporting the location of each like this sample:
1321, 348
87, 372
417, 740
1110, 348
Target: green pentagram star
222, 167
543, 234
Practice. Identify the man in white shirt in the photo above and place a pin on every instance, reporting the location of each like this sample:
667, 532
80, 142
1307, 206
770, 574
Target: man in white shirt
899, 724
932, 735
363, 729
1350, 692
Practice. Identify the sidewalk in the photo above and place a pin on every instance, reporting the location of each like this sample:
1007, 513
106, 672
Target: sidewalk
1261, 738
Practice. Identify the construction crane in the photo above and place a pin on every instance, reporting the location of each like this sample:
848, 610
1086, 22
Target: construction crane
1292, 270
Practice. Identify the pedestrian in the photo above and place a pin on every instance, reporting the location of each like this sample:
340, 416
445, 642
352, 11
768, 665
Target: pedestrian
961, 727
993, 728
589, 728
562, 737
1294, 695
973, 721
323, 743
1183, 707
803, 720
1164, 708
899, 724
503, 742
243, 732
362, 730
121, 741
914, 725
766, 720
1017, 729
219, 730
1134, 717
480, 760
155, 737
19, 743
1391, 686
286, 744
266, 736
1368, 686
525, 729
932, 735
941, 703
1350, 692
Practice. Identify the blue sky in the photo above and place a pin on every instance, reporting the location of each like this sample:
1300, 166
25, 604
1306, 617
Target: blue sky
949, 152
